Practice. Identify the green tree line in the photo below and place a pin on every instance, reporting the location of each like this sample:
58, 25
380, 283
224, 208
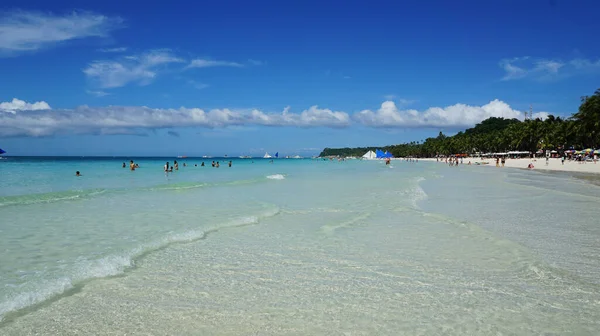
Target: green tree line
581, 130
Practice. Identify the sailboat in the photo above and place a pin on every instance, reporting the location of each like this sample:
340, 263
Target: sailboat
2, 152
267, 156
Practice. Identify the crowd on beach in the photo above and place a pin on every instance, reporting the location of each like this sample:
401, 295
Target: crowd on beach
566, 161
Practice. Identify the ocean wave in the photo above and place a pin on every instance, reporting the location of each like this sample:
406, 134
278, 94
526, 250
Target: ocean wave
276, 177
179, 186
72, 195
86, 270
49, 197
416, 194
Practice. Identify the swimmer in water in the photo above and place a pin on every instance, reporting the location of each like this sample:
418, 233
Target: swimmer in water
77, 173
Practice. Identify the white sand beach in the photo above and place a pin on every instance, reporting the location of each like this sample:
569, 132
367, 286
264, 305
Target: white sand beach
539, 164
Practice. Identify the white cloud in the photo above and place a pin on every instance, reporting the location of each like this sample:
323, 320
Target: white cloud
397, 100
22, 31
459, 115
197, 85
18, 118
140, 69
206, 63
545, 69
130, 120
585, 64
255, 62
97, 93
20, 105
113, 50
313, 117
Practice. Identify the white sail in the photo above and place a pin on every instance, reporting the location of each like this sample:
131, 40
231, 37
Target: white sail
267, 156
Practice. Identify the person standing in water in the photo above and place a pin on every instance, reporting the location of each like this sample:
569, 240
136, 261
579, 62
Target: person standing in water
166, 167
176, 165
229, 164
131, 165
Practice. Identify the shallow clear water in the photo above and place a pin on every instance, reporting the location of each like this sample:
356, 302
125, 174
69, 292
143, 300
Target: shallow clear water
296, 247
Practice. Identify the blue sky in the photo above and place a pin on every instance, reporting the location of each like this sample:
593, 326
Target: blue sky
195, 78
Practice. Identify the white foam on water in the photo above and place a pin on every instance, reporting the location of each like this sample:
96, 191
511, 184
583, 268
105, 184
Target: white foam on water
108, 266
276, 177
417, 194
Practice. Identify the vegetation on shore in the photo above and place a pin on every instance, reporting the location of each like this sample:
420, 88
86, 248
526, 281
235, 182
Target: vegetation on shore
581, 130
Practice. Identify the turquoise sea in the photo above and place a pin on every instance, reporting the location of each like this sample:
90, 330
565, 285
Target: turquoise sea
295, 247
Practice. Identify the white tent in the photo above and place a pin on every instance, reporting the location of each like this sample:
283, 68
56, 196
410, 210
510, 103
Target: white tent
370, 155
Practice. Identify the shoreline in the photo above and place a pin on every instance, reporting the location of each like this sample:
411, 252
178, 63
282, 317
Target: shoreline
554, 164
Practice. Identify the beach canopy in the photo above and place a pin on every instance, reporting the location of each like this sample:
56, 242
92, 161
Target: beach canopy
383, 155
2, 151
370, 155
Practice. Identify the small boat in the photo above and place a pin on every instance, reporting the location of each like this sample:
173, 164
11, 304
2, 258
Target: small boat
2, 152
267, 156
245, 157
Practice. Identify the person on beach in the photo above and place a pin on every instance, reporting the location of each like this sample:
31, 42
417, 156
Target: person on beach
547, 160
497, 162
562, 160
503, 161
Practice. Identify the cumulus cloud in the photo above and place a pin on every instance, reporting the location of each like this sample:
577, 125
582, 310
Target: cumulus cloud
459, 115
206, 63
133, 119
22, 31
545, 69
20, 105
139, 69
313, 117
18, 118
